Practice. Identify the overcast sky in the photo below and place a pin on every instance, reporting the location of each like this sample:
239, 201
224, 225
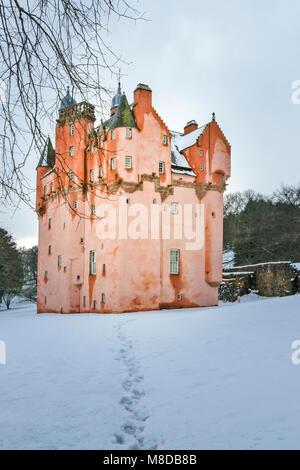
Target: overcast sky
235, 58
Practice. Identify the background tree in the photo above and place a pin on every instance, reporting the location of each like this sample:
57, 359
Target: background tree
46, 45
11, 268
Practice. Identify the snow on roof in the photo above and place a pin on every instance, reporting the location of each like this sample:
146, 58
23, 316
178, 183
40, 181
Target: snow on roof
183, 141
179, 162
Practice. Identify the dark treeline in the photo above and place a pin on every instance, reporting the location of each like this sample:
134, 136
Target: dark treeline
260, 228
18, 270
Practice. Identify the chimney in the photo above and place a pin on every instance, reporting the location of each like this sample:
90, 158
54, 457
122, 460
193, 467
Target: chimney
142, 103
190, 127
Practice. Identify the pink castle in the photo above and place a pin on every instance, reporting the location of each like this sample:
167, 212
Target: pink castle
130, 213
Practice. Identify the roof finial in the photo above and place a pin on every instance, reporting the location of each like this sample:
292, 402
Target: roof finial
213, 117
119, 80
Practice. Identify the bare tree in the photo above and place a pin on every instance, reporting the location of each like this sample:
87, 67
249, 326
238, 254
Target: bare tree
44, 46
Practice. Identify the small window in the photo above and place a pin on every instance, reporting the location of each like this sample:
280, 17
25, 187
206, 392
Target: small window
161, 167
128, 162
223, 179
101, 171
46, 274
93, 262
201, 167
72, 129
71, 151
49, 222
92, 147
101, 141
103, 269
65, 269
57, 171
91, 175
128, 201
113, 163
165, 139
201, 153
78, 277
59, 260
213, 214
71, 175
179, 297
174, 207
154, 201
94, 304
174, 261
81, 240
113, 135
128, 133
93, 209
51, 187
49, 250
45, 190
75, 205
102, 298
45, 299
84, 301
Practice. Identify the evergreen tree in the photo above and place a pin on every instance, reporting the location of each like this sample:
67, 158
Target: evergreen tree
11, 268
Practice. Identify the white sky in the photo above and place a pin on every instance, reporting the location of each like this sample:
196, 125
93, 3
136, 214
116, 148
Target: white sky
236, 58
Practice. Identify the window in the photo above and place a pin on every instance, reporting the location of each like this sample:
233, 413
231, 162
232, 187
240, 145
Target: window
101, 171
154, 201
45, 190
93, 262
49, 250
81, 240
113, 163
128, 201
71, 175
65, 269
57, 171
201, 167
91, 175
113, 135
78, 277
165, 139
223, 179
201, 153
92, 147
59, 260
71, 151
128, 133
174, 207
84, 300
75, 204
179, 296
45, 299
213, 214
72, 129
103, 269
128, 162
49, 222
102, 298
174, 261
101, 141
46, 274
93, 209
94, 304
161, 167
51, 187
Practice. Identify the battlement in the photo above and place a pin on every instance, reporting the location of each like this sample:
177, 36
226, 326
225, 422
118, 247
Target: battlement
76, 112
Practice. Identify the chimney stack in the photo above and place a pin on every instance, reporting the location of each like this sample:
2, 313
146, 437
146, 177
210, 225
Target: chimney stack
190, 127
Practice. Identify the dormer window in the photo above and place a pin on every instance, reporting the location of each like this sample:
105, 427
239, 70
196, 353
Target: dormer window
128, 133
165, 140
71, 151
72, 129
113, 135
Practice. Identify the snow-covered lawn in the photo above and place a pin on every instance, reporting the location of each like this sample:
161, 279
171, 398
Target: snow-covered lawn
218, 378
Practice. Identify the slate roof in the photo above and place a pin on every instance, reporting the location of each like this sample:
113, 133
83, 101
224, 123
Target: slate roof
180, 164
123, 116
67, 100
47, 158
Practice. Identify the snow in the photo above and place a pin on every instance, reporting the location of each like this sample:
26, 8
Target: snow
184, 141
178, 159
297, 266
214, 378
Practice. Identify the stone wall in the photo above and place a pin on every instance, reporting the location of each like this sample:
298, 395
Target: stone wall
277, 279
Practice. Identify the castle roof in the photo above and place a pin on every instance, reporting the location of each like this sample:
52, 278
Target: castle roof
180, 164
47, 158
183, 141
67, 100
123, 116
117, 98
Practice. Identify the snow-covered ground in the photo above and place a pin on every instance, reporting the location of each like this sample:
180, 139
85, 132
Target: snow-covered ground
218, 378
